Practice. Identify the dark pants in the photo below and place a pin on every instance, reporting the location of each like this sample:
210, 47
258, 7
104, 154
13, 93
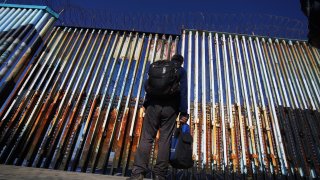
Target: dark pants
157, 116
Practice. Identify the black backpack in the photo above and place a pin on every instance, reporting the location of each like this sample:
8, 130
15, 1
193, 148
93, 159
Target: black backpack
164, 79
181, 148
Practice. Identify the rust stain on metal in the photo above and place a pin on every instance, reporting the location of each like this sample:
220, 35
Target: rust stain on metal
106, 140
79, 135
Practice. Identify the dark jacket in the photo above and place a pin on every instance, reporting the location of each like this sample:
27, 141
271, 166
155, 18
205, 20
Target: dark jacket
311, 8
183, 106
180, 100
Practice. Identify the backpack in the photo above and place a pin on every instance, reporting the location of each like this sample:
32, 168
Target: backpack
181, 148
163, 79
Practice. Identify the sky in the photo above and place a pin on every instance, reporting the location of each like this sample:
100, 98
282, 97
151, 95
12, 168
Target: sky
287, 8
276, 18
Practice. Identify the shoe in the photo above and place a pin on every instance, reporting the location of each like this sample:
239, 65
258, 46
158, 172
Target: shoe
156, 177
136, 177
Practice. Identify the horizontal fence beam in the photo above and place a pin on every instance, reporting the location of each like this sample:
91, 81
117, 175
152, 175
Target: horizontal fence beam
46, 8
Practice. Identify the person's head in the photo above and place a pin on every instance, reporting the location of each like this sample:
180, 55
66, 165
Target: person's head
177, 58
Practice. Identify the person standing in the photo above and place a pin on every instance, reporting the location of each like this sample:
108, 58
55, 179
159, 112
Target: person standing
166, 99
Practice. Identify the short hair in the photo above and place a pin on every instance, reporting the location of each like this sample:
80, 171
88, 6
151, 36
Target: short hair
177, 57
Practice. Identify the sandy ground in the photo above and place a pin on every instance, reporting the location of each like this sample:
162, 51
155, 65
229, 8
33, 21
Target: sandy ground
19, 172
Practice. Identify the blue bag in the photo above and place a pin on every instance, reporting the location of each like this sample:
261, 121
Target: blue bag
181, 148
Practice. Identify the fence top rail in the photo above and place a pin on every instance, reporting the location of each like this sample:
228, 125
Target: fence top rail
46, 8
245, 35
121, 31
